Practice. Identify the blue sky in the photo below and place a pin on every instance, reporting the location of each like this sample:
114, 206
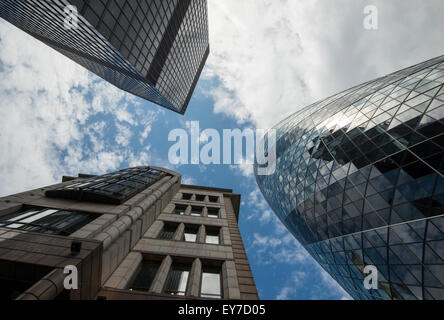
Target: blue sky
268, 59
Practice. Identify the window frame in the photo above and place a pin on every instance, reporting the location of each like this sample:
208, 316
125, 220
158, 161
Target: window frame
162, 234
188, 196
194, 229
183, 267
156, 262
21, 220
211, 270
176, 209
216, 215
196, 208
208, 232
200, 196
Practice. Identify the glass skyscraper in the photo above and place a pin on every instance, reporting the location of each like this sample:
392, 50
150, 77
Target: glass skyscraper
151, 48
360, 181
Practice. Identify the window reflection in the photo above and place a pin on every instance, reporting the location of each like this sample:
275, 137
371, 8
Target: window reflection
176, 283
211, 283
212, 236
48, 221
190, 234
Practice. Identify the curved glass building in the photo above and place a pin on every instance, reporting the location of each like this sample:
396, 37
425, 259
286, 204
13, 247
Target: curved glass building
360, 181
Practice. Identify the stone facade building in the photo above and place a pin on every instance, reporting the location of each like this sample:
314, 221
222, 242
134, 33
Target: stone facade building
132, 234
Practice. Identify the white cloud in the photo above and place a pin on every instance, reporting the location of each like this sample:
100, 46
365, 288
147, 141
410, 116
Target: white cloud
285, 293
261, 211
51, 109
124, 134
244, 169
188, 180
295, 281
274, 57
141, 159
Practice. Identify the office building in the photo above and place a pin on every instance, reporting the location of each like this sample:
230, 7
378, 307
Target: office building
132, 234
360, 182
153, 49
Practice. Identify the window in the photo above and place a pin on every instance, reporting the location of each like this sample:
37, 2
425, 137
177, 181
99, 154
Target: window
212, 236
190, 234
200, 198
211, 283
145, 276
213, 213
168, 232
214, 199
13, 286
176, 284
196, 211
48, 221
112, 188
180, 210
187, 196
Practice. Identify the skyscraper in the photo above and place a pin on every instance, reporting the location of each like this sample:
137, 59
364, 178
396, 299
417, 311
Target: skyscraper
360, 182
132, 234
151, 48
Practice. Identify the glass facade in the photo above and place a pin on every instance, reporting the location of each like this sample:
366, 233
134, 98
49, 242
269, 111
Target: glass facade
48, 221
360, 181
111, 188
151, 48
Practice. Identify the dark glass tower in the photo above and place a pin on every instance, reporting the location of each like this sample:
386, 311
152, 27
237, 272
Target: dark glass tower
360, 181
151, 48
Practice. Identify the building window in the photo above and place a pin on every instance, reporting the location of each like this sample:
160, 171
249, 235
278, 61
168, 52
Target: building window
214, 199
176, 284
190, 234
200, 198
211, 283
187, 196
112, 188
212, 236
48, 221
180, 210
168, 232
213, 213
145, 276
196, 211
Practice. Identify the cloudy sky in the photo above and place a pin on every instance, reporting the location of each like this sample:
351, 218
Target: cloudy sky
269, 58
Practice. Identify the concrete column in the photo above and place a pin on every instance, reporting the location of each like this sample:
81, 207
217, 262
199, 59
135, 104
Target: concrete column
178, 236
205, 212
169, 208
193, 197
207, 199
229, 281
223, 213
161, 276
188, 211
154, 231
193, 288
225, 236
201, 235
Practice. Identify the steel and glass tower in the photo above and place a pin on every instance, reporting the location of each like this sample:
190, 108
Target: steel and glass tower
360, 181
151, 48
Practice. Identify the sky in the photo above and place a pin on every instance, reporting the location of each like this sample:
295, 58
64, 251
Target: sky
269, 59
